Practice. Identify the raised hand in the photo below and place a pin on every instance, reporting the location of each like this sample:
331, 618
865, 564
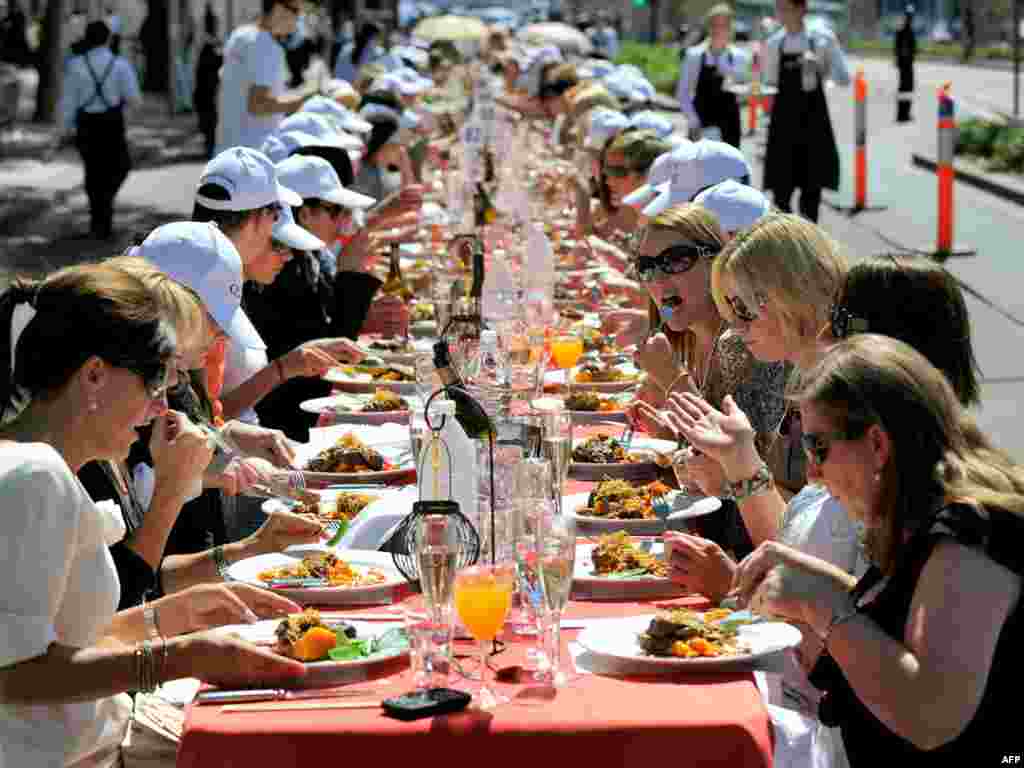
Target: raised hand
726, 436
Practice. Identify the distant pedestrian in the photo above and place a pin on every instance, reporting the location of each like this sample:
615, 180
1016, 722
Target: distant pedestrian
253, 79
360, 52
905, 51
98, 88
968, 33
204, 97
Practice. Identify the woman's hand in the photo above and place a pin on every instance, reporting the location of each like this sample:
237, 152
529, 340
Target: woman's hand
628, 326
776, 580
229, 662
706, 474
726, 436
646, 418
389, 316
699, 564
271, 445
214, 605
655, 356
315, 358
180, 451
281, 530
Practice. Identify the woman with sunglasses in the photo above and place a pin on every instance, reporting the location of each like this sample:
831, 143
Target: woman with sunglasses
92, 364
922, 654
698, 353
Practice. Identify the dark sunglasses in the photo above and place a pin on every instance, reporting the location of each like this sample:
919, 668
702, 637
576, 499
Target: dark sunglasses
156, 377
618, 171
277, 247
332, 210
674, 260
740, 309
817, 444
295, 8
844, 323
274, 209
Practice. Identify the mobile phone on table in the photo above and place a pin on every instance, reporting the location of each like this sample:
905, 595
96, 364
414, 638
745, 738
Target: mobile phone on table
426, 703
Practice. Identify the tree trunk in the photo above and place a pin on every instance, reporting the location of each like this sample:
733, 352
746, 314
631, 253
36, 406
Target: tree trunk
51, 62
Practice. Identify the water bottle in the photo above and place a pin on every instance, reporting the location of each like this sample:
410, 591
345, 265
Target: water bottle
488, 375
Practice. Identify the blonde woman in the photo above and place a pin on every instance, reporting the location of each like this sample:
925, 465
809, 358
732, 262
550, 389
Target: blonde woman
923, 653
698, 353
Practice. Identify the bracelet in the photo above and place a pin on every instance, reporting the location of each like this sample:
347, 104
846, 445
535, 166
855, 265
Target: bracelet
280, 370
150, 618
220, 562
761, 482
837, 619
145, 666
668, 390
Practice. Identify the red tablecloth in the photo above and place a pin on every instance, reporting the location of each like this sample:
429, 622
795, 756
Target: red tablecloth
689, 719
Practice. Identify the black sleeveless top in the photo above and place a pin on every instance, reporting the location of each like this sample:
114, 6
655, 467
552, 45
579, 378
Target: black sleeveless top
986, 738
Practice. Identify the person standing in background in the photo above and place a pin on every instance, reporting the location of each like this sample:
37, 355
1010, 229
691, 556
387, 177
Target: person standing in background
905, 50
360, 52
705, 69
968, 33
98, 87
204, 98
802, 153
252, 99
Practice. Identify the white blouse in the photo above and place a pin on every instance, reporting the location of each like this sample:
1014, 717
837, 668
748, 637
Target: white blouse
59, 585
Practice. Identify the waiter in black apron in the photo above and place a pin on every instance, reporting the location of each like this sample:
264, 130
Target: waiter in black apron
705, 69
905, 50
801, 149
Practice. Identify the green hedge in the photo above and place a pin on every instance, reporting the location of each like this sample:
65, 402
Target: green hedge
1000, 147
660, 63
929, 50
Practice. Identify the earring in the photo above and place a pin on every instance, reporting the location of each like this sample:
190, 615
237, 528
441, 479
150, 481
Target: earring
93, 407
878, 477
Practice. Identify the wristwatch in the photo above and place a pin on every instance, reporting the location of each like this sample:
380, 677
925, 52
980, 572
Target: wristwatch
761, 482
220, 562
150, 619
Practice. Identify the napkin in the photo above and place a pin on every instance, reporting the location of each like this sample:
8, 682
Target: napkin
374, 524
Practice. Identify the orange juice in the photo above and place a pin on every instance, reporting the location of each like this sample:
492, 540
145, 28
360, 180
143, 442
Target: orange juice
483, 603
566, 350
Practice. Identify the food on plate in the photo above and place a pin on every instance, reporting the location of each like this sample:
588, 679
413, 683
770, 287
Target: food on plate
590, 401
345, 507
621, 500
595, 340
601, 449
306, 637
385, 400
349, 454
326, 567
422, 312
685, 634
381, 372
394, 346
596, 373
617, 555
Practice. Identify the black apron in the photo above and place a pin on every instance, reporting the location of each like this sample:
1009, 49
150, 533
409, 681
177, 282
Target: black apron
716, 106
801, 146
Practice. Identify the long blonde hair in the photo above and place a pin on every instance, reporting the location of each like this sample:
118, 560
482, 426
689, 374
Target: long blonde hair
939, 455
789, 262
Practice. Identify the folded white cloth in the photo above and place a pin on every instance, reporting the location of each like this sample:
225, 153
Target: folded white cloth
374, 524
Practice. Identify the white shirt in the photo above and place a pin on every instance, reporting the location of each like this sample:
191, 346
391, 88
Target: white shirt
816, 523
730, 62
241, 363
59, 586
120, 87
252, 57
832, 60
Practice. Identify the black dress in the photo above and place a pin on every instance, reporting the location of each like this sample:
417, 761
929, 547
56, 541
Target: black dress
986, 738
714, 105
905, 46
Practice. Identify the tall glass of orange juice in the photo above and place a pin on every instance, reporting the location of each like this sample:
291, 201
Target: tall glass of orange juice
483, 597
566, 350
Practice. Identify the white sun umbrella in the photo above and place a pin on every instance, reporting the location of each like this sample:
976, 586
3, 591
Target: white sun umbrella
450, 28
568, 39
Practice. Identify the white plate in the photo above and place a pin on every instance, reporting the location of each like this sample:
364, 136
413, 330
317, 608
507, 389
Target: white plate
328, 497
399, 358
247, 570
344, 409
618, 640
390, 439
636, 470
689, 507
326, 674
364, 383
587, 585
556, 379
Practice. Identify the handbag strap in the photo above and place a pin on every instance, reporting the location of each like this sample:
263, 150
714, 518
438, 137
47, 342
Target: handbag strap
99, 82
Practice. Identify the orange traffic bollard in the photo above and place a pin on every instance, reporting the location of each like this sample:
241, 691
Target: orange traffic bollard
944, 245
860, 152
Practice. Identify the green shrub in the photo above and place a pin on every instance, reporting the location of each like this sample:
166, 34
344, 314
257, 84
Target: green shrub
1008, 151
977, 137
659, 63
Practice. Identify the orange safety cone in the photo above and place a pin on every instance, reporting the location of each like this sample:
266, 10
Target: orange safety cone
860, 151
944, 242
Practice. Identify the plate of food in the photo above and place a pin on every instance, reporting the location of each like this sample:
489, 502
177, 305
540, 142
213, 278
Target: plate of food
323, 577
621, 567
597, 376
391, 350
638, 508
347, 408
331, 504
586, 406
371, 375
690, 639
349, 459
334, 652
602, 456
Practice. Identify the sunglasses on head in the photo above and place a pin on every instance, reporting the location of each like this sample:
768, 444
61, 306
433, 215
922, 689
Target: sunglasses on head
843, 323
674, 260
740, 309
274, 209
817, 444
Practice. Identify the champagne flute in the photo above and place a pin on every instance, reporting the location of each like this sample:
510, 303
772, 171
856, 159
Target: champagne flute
483, 596
557, 561
557, 448
437, 549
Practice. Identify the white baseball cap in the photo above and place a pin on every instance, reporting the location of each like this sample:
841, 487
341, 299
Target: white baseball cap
249, 178
309, 123
199, 256
336, 87
736, 206
274, 149
604, 124
295, 139
713, 162
405, 118
390, 82
660, 174
652, 121
346, 119
291, 234
314, 177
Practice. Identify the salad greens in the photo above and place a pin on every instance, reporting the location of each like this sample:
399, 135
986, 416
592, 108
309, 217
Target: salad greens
389, 643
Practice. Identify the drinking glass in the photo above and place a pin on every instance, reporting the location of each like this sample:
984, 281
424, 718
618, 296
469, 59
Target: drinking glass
556, 563
557, 448
436, 547
533, 484
483, 596
566, 350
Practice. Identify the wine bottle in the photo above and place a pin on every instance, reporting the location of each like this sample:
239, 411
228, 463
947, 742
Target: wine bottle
395, 284
468, 412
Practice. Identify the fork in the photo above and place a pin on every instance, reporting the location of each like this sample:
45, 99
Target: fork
660, 505
627, 436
